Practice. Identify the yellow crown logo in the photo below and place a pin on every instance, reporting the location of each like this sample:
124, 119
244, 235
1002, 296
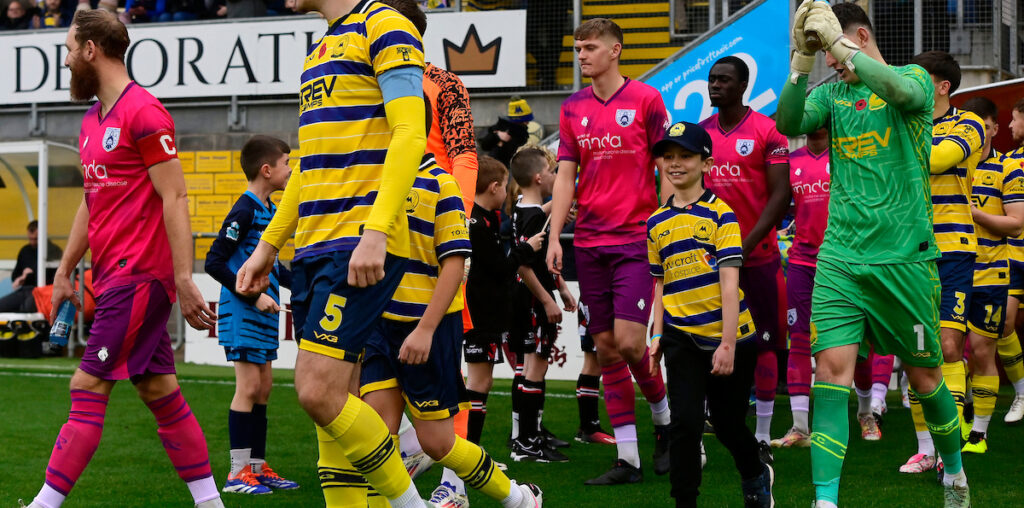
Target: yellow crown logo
677, 130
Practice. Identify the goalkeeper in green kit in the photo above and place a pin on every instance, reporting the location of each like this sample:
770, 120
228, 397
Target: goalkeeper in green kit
877, 282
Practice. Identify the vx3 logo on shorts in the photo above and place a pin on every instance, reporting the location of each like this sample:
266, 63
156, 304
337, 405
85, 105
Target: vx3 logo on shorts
427, 403
326, 337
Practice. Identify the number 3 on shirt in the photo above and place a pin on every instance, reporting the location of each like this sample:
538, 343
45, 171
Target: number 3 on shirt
332, 313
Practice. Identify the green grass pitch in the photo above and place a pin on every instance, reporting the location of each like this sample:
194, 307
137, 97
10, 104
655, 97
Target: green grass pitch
130, 468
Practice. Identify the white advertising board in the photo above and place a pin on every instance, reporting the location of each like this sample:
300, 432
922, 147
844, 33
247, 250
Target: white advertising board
255, 57
201, 346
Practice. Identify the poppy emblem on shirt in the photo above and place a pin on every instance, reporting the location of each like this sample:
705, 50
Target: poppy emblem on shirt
110, 138
861, 104
625, 117
744, 146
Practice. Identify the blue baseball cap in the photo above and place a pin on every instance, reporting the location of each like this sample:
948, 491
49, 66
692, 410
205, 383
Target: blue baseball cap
688, 135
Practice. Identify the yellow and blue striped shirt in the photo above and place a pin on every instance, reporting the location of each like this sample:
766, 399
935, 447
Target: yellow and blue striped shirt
997, 181
1016, 244
685, 247
437, 229
951, 189
343, 131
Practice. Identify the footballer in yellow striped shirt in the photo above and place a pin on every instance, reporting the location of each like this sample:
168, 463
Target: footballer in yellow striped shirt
957, 139
999, 213
361, 139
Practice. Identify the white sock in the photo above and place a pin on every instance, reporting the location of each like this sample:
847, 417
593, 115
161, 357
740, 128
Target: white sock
453, 481
409, 499
515, 497
1018, 386
764, 410
659, 412
49, 497
409, 442
959, 479
925, 444
625, 443
203, 489
801, 421
878, 393
239, 459
863, 401
515, 425
821, 503
257, 465
981, 423
800, 405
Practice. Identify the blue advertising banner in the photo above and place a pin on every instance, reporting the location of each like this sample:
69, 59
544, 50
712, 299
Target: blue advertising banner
760, 38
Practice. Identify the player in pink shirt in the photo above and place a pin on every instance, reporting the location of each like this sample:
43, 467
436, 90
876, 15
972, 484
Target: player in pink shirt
751, 174
134, 218
809, 180
606, 130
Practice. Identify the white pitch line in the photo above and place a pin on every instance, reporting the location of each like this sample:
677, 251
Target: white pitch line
208, 381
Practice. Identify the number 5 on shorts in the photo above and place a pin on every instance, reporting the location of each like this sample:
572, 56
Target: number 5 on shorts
332, 313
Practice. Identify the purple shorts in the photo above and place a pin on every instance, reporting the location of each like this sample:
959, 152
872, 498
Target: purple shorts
615, 283
129, 336
799, 285
764, 289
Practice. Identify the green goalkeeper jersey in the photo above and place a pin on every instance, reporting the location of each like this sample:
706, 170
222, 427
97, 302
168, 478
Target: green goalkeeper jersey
880, 209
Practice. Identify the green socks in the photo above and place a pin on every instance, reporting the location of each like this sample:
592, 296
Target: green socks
940, 415
831, 427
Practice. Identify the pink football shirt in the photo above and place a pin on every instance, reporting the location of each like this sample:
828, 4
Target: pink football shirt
126, 220
611, 141
809, 178
740, 173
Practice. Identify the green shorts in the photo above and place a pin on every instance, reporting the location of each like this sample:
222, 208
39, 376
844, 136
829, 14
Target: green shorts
893, 307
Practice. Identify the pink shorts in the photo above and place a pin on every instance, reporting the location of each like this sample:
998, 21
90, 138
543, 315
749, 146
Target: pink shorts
615, 283
129, 336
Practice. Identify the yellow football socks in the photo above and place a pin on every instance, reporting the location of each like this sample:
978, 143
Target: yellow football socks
477, 469
366, 442
342, 485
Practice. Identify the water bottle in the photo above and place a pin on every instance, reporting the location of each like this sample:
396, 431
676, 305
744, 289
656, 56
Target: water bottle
62, 326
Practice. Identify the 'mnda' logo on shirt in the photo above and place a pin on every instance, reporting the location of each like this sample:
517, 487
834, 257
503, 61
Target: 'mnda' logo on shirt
600, 143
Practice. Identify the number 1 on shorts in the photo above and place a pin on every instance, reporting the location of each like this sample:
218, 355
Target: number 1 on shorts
919, 330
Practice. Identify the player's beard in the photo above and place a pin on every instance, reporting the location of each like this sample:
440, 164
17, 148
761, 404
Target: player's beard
85, 82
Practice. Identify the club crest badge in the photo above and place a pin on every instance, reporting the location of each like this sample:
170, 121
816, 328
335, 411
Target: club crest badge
625, 117
111, 138
744, 147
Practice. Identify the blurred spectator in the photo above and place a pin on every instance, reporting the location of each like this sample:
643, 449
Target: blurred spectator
23, 277
183, 10
434, 4
54, 14
246, 8
19, 15
142, 11
219, 8
511, 132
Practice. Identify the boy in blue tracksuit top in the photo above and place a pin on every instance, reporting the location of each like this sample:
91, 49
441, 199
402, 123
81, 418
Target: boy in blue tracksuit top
248, 327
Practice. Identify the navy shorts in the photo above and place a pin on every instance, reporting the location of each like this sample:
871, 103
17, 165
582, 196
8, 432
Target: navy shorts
1017, 280
331, 317
251, 355
956, 273
433, 390
988, 311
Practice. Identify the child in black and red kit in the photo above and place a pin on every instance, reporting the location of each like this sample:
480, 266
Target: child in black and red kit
488, 288
536, 314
